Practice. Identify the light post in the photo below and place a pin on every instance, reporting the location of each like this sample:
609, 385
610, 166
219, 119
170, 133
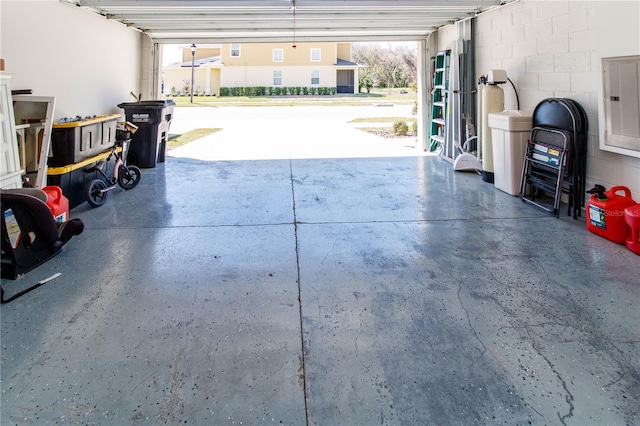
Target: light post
193, 61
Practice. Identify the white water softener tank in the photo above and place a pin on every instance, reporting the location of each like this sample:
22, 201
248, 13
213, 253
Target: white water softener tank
509, 135
492, 101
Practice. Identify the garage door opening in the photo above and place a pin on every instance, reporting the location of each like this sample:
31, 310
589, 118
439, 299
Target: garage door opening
272, 101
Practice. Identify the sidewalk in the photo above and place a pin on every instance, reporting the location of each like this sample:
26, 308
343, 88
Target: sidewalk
296, 132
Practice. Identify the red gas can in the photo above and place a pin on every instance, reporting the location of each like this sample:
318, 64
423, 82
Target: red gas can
57, 203
632, 218
605, 212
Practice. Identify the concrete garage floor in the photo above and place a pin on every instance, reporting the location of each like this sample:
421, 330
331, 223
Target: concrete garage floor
325, 292
332, 291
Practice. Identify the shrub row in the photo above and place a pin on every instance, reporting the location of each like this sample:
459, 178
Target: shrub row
276, 91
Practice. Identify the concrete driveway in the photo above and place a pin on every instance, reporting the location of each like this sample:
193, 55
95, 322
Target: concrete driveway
289, 132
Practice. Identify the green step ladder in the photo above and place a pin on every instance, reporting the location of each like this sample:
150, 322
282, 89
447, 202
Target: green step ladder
439, 99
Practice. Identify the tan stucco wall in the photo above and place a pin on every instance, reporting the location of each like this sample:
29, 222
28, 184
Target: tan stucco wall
214, 81
175, 77
255, 66
205, 80
344, 51
200, 53
261, 54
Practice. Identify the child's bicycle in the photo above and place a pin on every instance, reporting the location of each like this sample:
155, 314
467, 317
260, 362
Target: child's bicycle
125, 176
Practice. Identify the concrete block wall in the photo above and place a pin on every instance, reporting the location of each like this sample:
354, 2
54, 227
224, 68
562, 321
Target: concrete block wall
551, 49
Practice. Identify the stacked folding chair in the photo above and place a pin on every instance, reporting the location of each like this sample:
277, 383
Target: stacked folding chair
556, 157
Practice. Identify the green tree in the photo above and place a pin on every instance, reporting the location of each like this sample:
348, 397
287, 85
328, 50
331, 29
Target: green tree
389, 67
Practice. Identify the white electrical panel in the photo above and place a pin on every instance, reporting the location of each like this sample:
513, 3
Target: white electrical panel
621, 105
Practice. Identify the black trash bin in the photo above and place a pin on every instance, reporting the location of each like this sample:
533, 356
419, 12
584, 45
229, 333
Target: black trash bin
149, 142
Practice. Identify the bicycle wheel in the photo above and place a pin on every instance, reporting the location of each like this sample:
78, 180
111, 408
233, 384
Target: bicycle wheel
128, 177
94, 193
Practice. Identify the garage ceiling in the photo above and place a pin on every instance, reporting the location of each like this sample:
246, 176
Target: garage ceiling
216, 21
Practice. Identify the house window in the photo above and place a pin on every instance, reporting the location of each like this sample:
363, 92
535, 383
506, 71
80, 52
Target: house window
235, 50
278, 55
277, 78
315, 77
315, 55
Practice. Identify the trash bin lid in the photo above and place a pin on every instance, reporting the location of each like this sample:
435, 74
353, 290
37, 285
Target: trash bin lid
153, 104
511, 120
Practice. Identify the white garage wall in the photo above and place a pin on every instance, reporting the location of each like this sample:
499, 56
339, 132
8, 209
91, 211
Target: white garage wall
553, 49
88, 63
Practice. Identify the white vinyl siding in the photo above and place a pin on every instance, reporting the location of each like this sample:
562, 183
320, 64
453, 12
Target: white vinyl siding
277, 78
278, 55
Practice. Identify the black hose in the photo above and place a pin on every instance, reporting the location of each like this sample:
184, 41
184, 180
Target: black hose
517, 97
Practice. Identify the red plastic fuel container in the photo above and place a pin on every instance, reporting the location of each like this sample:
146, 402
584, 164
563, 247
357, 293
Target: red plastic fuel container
632, 218
57, 203
605, 213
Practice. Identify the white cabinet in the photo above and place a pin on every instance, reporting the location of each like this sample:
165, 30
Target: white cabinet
35, 135
10, 170
24, 146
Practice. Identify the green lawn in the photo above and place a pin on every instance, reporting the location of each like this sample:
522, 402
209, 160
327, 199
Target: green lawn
187, 137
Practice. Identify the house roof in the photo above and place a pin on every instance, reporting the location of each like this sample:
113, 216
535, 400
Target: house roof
220, 21
202, 61
345, 63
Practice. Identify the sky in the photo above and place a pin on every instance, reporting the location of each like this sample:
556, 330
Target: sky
171, 54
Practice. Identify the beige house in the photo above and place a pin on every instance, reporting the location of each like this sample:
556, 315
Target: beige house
219, 68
